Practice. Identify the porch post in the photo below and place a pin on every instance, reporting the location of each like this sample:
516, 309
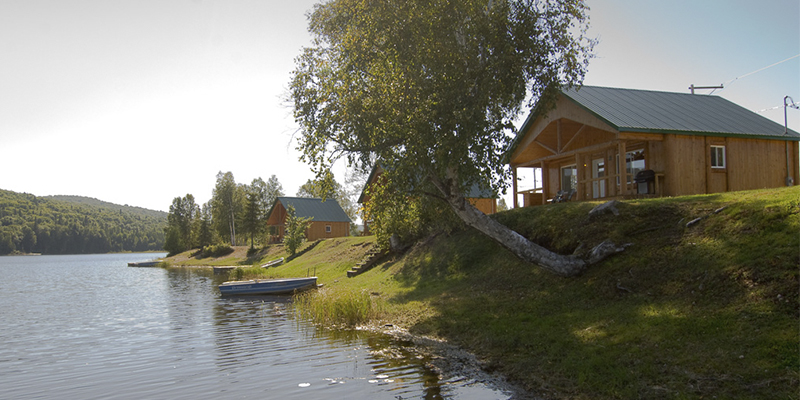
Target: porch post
623, 171
545, 184
514, 183
580, 178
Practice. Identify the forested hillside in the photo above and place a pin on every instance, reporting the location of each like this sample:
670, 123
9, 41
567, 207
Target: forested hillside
75, 225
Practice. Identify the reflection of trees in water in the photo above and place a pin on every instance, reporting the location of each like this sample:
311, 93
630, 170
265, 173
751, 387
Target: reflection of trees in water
255, 340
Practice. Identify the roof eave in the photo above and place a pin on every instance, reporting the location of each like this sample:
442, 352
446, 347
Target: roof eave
788, 137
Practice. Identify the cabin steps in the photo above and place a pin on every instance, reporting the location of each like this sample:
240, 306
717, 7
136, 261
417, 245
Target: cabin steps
373, 255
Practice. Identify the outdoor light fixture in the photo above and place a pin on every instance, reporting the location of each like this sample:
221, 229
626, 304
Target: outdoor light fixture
789, 179
785, 119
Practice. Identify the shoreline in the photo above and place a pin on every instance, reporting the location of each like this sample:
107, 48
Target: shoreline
452, 363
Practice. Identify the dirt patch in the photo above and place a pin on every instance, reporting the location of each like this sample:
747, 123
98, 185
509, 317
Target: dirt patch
239, 256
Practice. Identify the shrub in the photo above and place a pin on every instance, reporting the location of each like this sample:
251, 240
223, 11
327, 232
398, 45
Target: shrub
217, 250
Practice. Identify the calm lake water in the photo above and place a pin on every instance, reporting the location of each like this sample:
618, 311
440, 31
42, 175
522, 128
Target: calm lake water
89, 327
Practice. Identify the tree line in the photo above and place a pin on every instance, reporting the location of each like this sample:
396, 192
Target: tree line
75, 225
237, 213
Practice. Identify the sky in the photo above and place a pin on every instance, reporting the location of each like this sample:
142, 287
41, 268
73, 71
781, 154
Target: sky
140, 101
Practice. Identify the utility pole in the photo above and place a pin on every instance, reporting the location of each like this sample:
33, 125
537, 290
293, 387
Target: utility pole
693, 87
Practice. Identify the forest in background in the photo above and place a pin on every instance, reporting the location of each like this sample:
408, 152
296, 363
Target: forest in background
76, 225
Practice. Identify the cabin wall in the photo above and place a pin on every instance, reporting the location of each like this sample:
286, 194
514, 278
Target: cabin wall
756, 164
684, 174
317, 230
749, 164
278, 215
486, 206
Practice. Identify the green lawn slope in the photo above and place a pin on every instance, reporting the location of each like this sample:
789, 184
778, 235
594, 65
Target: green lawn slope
704, 311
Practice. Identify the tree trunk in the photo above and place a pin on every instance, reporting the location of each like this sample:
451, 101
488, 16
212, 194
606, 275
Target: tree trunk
564, 265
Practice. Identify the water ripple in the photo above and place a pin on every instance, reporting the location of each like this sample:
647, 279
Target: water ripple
89, 327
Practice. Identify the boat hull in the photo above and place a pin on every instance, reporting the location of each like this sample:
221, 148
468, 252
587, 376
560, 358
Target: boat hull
267, 286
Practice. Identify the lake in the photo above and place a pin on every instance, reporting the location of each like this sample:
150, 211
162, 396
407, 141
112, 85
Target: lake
89, 327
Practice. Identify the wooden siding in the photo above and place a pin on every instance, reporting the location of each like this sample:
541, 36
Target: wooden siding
277, 219
543, 135
757, 164
487, 206
685, 174
749, 164
317, 230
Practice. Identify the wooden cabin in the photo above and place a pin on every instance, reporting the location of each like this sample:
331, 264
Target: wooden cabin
600, 143
483, 200
329, 220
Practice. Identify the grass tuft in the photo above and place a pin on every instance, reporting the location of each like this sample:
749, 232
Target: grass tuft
338, 308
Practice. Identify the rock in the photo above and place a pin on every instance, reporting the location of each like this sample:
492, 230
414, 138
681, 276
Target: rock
609, 206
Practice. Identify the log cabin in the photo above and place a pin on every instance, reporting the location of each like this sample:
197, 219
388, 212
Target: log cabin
483, 200
329, 219
600, 143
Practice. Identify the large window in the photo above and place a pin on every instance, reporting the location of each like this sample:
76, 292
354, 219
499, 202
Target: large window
569, 178
717, 156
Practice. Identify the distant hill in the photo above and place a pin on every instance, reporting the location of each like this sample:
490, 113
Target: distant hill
76, 225
90, 201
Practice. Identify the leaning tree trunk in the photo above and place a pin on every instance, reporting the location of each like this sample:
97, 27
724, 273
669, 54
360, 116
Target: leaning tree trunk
564, 265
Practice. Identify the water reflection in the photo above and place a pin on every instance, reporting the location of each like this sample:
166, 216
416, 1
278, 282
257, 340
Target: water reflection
90, 327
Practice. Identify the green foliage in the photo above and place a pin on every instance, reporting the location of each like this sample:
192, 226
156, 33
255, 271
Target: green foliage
337, 308
326, 187
295, 230
411, 219
203, 227
227, 204
431, 89
254, 218
75, 225
216, 250
172, 242
180, 232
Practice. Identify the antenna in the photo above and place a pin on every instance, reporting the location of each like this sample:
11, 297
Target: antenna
693, 87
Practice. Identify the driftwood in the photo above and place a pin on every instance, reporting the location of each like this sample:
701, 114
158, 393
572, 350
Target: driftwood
564, 265
698, 219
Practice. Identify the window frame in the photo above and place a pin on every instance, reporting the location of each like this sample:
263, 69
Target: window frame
328, 229
717, 150
573, 177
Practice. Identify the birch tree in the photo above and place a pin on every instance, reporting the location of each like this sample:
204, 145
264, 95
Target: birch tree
431, 89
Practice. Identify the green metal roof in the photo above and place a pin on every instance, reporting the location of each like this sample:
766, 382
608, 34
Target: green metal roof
630, 110
325, 211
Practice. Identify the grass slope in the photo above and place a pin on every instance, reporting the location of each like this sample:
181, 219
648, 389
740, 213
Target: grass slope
704, 311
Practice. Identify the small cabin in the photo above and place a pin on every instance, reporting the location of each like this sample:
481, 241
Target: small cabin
483, 200
329, 219
601, 143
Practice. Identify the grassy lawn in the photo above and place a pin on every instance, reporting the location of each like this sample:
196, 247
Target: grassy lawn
706, 311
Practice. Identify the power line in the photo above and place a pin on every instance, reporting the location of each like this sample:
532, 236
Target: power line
793, 105
722, 85
761, 69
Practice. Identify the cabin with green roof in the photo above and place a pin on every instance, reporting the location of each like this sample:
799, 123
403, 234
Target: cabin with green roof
602, 143
328, 218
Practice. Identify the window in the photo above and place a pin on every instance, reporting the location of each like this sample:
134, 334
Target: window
717, 156
634, 162
569, 178
327, 229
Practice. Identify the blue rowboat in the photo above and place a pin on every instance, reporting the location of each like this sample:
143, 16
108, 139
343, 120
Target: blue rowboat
267, 286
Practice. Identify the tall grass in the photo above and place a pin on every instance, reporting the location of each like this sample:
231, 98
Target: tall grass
347, 308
